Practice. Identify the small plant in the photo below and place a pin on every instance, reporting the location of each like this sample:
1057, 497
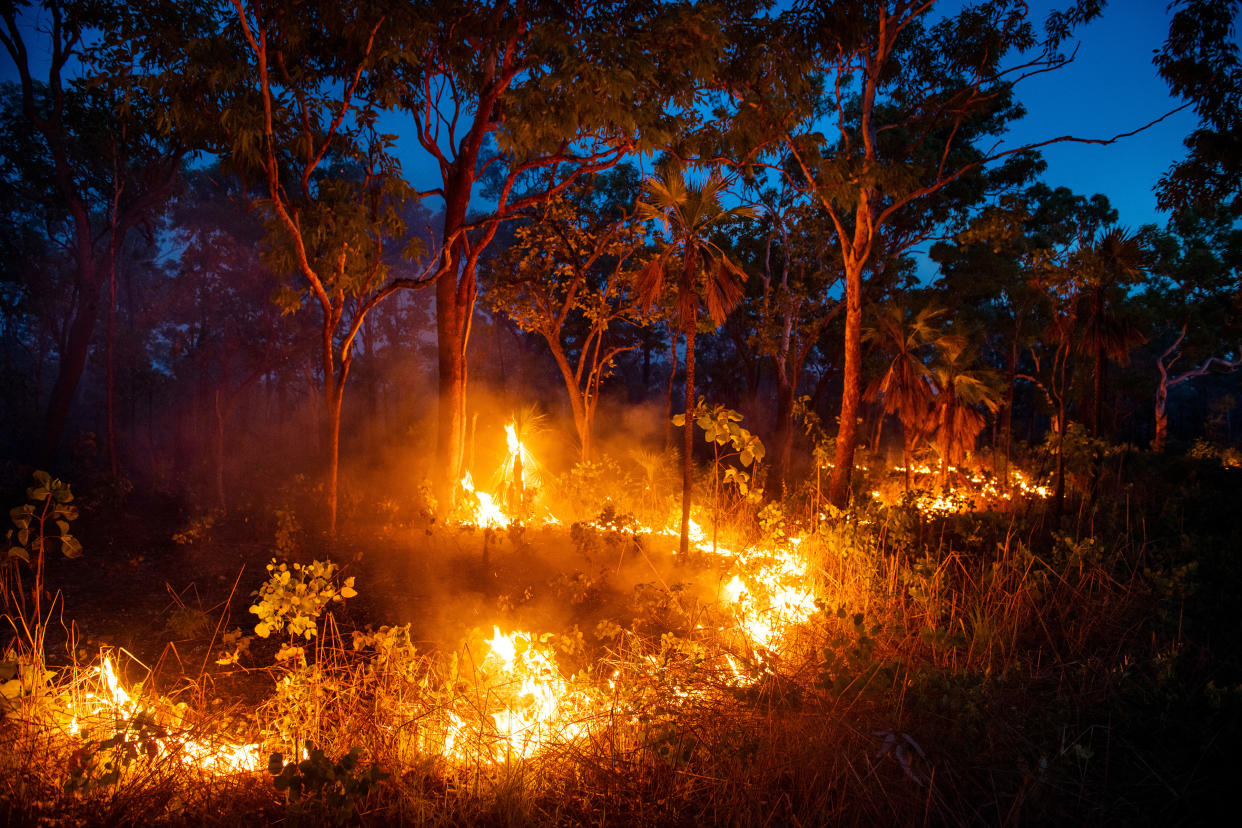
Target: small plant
336, 786
292, 599
43, 519
199, 529
720, 426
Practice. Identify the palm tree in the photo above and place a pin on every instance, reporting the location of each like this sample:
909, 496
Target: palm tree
707, 279
1112, 263
961, 389
906, 386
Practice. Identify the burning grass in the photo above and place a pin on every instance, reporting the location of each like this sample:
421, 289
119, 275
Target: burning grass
884, 666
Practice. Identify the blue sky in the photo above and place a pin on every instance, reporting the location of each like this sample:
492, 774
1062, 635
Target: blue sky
1110, 88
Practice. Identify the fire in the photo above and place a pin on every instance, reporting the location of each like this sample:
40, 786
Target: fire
971, 493
107, 708
524, 704
487, 514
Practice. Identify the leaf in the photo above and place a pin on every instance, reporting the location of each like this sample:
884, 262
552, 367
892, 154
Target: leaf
70, 547
679, 420
348, 592
19, 552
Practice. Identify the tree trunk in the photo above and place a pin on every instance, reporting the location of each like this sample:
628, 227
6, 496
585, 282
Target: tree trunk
577, 403
851, 392
72, 362
668, 397
687, 464
784, 431
1162, 414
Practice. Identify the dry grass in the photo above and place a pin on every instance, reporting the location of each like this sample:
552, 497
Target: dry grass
955, 673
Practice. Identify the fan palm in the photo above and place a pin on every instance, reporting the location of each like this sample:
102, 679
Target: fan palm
906, 386
1112, 263
961, 389
707, 281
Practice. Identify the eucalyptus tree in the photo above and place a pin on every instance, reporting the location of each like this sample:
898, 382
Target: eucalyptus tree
93, 160
699, 275
568, 278
300, 123
915, 105
1194, 303
1199, 61
792, 256
531, 95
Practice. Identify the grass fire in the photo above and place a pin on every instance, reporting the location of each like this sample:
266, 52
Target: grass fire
620, 413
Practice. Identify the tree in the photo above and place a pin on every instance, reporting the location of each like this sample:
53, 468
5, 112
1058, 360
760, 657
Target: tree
795, 264
566, 278
1111, 266
1194, 302
332, 191
1199, 60
961, 388
906, 386
914, 108
702, 278
529, 96
218, 330
98, 165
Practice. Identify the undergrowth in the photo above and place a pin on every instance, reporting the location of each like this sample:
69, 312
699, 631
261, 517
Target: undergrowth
971, 669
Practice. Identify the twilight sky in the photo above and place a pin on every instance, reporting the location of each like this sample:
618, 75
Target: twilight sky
1111, 87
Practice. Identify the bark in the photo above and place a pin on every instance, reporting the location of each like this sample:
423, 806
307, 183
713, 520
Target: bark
72, 362
668, 396
851, 393
784, 430
687, 459
452, 328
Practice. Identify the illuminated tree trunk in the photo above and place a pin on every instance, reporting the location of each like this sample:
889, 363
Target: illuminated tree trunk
851, 392
784, 429
452, 331
687, 444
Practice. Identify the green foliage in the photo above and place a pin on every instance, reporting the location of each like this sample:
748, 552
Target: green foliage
22, 675
338, 787
102, 762
294, 598
44, 518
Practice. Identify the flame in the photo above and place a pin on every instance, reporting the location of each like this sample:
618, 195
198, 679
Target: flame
108, 703
970, 494
524, 704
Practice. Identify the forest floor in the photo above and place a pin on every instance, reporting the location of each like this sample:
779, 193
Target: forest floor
972, 669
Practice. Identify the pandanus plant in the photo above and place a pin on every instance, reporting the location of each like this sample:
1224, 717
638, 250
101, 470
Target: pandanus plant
704, 283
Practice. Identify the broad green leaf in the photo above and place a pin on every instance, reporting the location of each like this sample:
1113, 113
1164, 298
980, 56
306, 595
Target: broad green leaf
19, 552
